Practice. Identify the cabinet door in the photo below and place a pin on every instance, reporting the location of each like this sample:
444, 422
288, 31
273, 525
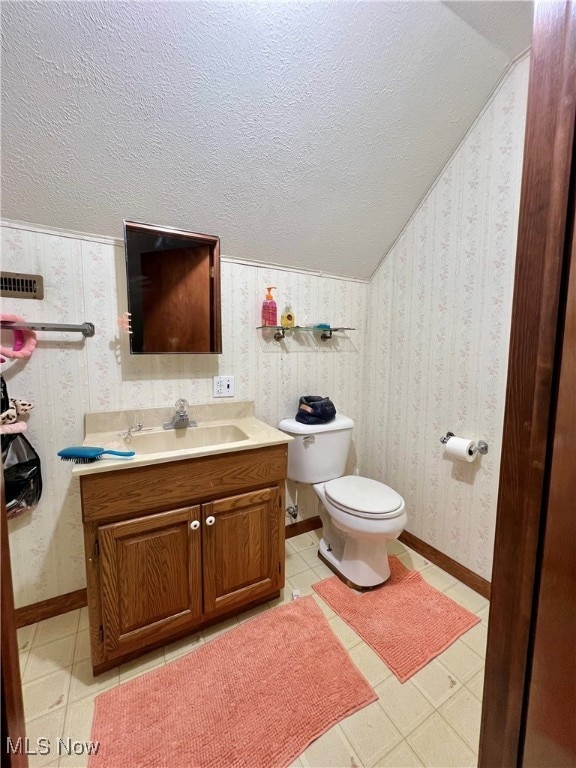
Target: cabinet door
241, 558
150, 578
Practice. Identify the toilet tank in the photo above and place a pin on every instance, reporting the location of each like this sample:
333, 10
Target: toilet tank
319, 452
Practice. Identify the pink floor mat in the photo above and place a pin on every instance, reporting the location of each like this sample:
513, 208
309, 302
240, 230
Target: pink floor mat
254, 697
406, 621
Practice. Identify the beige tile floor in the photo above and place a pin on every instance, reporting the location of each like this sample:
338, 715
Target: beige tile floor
431, 720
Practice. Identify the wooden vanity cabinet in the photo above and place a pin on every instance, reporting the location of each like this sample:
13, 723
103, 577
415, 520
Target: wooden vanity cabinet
173, 547
150, 577
241, 561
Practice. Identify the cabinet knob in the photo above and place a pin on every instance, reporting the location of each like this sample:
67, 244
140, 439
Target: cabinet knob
195, 524
210, 520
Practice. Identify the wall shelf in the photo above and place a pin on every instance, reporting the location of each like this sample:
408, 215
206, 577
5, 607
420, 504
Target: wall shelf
324, 331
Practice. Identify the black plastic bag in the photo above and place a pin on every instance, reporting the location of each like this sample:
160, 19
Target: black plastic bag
22, 475
313, 409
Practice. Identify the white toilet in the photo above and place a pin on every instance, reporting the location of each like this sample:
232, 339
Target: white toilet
358, 515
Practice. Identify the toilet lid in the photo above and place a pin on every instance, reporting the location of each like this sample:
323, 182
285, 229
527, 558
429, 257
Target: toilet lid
363, 496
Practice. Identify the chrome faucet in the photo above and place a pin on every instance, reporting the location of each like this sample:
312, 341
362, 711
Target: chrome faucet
180, 420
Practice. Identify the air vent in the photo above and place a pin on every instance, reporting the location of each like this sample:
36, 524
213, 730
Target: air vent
17, 285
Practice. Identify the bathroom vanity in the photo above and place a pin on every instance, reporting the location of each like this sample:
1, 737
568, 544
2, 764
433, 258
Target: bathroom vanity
178, 540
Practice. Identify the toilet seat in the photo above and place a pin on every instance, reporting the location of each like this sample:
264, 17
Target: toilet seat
363, 497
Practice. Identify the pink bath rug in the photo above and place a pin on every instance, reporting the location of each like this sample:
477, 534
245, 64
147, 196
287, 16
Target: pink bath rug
254, 697
406, 621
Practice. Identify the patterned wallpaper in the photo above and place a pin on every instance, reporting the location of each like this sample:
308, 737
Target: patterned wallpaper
438, 323
428, 354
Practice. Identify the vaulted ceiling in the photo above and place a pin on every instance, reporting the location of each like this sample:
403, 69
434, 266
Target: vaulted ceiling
302, 133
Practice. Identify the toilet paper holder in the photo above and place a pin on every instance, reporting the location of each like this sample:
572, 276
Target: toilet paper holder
480, 447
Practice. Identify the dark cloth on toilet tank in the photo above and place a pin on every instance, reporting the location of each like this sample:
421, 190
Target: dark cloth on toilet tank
313, 409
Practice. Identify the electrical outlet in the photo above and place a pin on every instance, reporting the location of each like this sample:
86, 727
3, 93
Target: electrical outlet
223, 386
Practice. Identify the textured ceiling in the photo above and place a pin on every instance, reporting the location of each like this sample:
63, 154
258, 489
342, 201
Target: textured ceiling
302, 133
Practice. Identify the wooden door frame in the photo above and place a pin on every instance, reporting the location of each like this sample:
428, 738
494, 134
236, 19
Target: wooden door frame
546, 219
13, 722
550, 733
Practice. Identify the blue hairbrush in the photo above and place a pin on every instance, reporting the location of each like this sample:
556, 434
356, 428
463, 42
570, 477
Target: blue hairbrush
86, 454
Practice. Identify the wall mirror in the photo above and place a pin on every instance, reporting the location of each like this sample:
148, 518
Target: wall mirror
173, 279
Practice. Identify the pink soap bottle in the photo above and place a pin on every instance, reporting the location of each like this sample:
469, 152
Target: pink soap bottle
269, 311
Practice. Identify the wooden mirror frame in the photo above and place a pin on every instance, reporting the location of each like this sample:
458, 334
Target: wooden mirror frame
173, 282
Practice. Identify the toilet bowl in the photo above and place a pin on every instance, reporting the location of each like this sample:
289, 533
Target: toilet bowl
355, 530
359, 515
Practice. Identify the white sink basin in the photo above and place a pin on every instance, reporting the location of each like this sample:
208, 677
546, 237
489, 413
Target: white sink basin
185, 439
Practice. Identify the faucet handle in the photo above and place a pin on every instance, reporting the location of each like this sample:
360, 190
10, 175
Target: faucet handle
181, 405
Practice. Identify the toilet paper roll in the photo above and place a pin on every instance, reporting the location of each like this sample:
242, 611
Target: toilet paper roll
461, 448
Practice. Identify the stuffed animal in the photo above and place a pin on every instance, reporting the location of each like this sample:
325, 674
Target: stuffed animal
10, 409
